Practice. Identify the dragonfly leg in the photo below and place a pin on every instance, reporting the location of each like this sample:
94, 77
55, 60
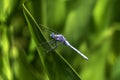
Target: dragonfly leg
55, 46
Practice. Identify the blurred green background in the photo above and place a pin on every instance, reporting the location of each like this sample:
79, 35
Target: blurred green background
92, 26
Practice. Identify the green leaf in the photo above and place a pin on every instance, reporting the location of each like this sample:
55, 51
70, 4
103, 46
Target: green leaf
7, 7
55, 66
116, 71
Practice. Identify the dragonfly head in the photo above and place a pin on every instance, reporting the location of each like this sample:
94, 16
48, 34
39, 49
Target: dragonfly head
52, 35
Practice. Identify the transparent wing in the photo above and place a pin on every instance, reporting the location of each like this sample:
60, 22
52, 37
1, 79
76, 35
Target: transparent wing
53, 43
47, 29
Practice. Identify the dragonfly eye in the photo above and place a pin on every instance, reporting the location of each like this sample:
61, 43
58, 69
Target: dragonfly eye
52, 35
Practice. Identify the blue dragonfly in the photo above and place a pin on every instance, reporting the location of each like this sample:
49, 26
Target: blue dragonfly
60, 38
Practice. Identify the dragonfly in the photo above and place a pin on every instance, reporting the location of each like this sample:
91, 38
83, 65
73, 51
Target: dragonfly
60, 38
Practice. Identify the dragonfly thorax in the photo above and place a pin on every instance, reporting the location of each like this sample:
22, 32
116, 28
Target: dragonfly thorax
58, 37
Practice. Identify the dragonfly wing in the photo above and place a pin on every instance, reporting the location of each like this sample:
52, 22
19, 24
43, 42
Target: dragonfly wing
47, 29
